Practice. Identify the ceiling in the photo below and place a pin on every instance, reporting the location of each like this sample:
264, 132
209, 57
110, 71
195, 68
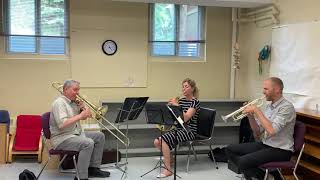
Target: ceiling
221, 3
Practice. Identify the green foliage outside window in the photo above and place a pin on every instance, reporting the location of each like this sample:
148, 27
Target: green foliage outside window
52, 17
164, 22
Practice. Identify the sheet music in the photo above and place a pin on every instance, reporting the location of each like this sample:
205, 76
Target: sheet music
179, 119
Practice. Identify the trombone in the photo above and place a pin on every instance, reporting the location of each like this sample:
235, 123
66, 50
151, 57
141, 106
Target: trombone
238, 114
99, 113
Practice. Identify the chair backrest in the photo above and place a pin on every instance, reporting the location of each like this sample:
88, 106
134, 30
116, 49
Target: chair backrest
28, 133
5, 118
299, 131
45, 125
206, 121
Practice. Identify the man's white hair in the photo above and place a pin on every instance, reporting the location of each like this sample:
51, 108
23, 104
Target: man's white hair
67, 83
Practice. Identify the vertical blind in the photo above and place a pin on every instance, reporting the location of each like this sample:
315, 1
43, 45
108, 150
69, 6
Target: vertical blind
36, 26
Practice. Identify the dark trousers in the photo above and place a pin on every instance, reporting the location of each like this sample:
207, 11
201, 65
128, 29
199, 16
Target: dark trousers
249, 156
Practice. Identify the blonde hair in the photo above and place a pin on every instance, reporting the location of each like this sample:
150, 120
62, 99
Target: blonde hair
193, 84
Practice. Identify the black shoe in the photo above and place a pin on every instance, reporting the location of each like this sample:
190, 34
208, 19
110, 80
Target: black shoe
246, 177
75, 178
96, 172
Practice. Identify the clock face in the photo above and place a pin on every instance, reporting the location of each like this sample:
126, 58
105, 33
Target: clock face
109, 47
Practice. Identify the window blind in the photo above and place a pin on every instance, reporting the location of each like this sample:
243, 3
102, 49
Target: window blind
36, 26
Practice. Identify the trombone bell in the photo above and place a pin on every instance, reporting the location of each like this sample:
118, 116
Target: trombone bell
102, 110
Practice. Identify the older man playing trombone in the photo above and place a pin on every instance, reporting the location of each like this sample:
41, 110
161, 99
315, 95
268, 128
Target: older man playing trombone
274, 126
67, 134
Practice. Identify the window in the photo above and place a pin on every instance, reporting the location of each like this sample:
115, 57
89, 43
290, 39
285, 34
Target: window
36, 26
177, 30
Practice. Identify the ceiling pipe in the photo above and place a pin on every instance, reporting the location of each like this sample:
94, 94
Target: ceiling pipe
271, 9
261, 18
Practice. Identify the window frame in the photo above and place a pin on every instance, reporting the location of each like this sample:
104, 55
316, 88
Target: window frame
37, 36
201, 41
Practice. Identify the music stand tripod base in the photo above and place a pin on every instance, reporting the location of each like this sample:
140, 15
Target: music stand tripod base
159, 114
118, 165
130, 110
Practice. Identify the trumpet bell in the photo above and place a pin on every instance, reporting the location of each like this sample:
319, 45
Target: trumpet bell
224, 118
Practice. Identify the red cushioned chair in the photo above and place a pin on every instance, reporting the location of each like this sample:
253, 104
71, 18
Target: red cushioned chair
27, 138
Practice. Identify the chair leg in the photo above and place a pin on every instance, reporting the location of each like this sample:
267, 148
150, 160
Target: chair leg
40, 151
214, 160
39, 157
45, 165
282, 177
188, 159
11, 140
266, 175
297, 162
59, 166
10, 156
7, 147
194, 152
75, 166
295, 175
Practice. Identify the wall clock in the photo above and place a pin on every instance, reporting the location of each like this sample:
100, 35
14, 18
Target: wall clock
109, 47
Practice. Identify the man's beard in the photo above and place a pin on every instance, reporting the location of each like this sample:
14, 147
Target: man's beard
269, 97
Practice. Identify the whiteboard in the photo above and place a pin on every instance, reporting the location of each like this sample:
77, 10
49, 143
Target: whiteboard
295, 58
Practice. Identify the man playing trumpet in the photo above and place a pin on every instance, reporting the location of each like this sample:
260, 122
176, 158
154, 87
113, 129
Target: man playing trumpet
67, 134
275, 127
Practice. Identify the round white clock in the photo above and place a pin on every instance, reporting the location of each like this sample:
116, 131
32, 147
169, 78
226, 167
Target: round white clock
109, 47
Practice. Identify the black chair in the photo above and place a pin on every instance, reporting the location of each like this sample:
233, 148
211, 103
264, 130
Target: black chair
204, 133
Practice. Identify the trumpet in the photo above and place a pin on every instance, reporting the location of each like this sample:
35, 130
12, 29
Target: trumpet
99, 113
238, 114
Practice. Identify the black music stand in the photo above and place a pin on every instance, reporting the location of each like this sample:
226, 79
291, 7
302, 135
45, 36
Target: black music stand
161, 114
177, 114
130, 110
